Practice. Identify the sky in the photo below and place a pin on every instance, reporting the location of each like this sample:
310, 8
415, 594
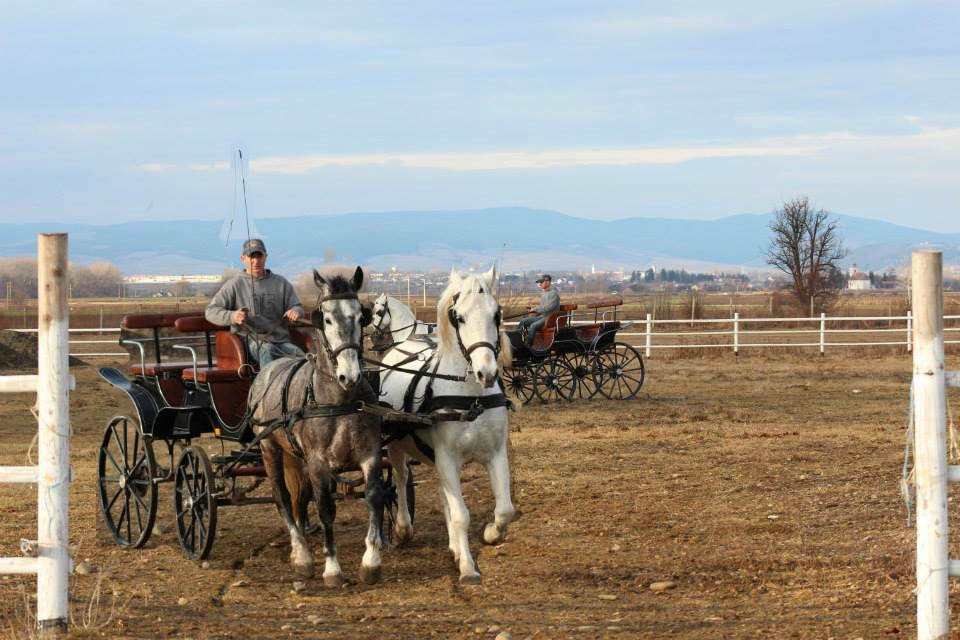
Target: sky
135, 110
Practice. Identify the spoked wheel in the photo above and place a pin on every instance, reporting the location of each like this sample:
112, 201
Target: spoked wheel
390, 501
555, 380
587, 373
520, 382
194, 504
622, 371
128, 496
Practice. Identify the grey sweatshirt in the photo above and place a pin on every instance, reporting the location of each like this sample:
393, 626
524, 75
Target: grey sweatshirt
266, 300
549, 301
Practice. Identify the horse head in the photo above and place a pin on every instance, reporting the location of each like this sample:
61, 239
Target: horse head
339, 320
381, 314
468, 319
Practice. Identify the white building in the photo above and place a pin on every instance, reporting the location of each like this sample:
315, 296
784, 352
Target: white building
858, 280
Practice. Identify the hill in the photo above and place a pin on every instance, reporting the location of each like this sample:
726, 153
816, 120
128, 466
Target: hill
524, 238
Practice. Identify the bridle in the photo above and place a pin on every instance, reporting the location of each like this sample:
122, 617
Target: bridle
365, 319
378, 327
455, 323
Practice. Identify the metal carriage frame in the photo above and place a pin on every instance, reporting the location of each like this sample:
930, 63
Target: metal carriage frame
576, 357
176, 402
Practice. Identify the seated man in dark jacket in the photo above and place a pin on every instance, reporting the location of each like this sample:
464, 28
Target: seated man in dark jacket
549, 302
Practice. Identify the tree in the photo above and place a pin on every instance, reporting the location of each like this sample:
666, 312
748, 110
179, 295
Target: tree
806, 246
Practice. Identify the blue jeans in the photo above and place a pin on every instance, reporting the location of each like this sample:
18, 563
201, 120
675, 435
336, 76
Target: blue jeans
532, 325
265, 352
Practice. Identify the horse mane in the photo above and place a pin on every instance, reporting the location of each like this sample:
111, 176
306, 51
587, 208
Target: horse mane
339, 284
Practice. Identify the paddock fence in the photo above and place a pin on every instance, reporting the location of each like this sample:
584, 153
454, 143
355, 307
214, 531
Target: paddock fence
47, 556
736, 334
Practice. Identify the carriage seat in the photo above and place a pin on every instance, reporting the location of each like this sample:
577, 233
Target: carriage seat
544, 338
231, 364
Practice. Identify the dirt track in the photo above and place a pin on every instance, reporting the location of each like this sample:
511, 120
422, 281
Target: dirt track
765, 489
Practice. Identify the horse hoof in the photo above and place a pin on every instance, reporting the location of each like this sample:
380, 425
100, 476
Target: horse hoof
304, 570
333, 580
490, 535
470, 578
369, 575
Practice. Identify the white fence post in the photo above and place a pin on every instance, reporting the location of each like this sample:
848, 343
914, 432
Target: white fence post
649, 349
909, 330
930, 439
736, 333
823, 331
53, 396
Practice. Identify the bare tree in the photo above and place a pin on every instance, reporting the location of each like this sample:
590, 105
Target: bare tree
806, 246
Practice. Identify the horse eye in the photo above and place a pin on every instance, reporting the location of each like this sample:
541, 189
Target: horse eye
380, 312
327, 321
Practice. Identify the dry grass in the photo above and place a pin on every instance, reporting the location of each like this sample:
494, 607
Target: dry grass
764, 487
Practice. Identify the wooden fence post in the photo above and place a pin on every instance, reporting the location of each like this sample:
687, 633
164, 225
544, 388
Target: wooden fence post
53, 398
930, 441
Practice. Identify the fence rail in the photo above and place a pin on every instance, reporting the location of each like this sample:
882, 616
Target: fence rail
666, 334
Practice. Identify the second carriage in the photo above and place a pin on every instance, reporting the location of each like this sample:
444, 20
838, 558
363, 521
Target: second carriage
576, 356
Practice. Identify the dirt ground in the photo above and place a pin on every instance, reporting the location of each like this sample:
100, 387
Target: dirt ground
765, 488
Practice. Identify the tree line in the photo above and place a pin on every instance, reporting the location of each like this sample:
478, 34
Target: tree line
18, 279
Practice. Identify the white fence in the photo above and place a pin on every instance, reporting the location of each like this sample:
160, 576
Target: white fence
733, 334
47, 556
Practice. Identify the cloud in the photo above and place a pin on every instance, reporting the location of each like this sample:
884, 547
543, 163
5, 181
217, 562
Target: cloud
945, 140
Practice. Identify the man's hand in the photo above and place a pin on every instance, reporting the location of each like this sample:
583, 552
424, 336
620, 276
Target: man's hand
240, 316
292, 315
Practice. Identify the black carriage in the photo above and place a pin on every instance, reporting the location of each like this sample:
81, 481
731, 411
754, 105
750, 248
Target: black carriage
575, 356
176, 401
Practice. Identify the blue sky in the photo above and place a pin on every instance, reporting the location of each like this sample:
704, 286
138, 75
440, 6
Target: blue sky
123, 111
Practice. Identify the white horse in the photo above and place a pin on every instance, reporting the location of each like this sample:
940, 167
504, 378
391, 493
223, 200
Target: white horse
393, 322
469, 341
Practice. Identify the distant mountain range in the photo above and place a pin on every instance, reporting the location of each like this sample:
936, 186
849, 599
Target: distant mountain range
525, 239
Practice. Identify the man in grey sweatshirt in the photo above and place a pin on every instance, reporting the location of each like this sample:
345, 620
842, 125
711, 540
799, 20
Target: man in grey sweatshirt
257, 305
549, 302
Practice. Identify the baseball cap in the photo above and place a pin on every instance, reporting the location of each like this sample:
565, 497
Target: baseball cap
254, 245
545, 276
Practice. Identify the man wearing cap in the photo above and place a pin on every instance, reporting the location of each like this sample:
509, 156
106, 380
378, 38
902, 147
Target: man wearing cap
257, 305
549, 302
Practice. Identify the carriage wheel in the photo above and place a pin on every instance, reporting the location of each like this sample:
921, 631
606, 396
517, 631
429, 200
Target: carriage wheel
588, 374
520, 382
623, 371
556, 380
194, 504
390, 501
128, 496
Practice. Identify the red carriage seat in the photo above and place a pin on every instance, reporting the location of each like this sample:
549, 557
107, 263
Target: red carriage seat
166, 374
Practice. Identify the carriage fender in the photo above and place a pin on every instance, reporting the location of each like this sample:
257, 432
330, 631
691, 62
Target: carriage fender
144, 403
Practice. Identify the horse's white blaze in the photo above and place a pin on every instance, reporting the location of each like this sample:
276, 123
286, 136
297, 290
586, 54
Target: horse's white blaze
339, 334
456, 443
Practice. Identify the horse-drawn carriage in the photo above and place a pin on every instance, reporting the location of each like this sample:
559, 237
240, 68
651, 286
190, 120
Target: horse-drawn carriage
308, 407
575, 356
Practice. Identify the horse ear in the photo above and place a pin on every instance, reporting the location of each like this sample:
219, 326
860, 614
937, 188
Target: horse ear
490, 277
318, 279
455, 276
357, 279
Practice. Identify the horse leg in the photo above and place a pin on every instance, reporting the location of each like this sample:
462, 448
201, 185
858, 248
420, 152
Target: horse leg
499, 471
300, 555
403, 525
298, 489
458, 518
327, 507
373, 496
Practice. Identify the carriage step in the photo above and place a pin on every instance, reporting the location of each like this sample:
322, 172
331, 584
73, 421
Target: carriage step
238, 456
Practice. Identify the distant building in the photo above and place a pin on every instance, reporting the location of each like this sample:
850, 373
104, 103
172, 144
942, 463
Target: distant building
858, 280
156, 286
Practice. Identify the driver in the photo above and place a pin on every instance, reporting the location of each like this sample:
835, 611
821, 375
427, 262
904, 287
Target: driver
257, 304
549, 302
